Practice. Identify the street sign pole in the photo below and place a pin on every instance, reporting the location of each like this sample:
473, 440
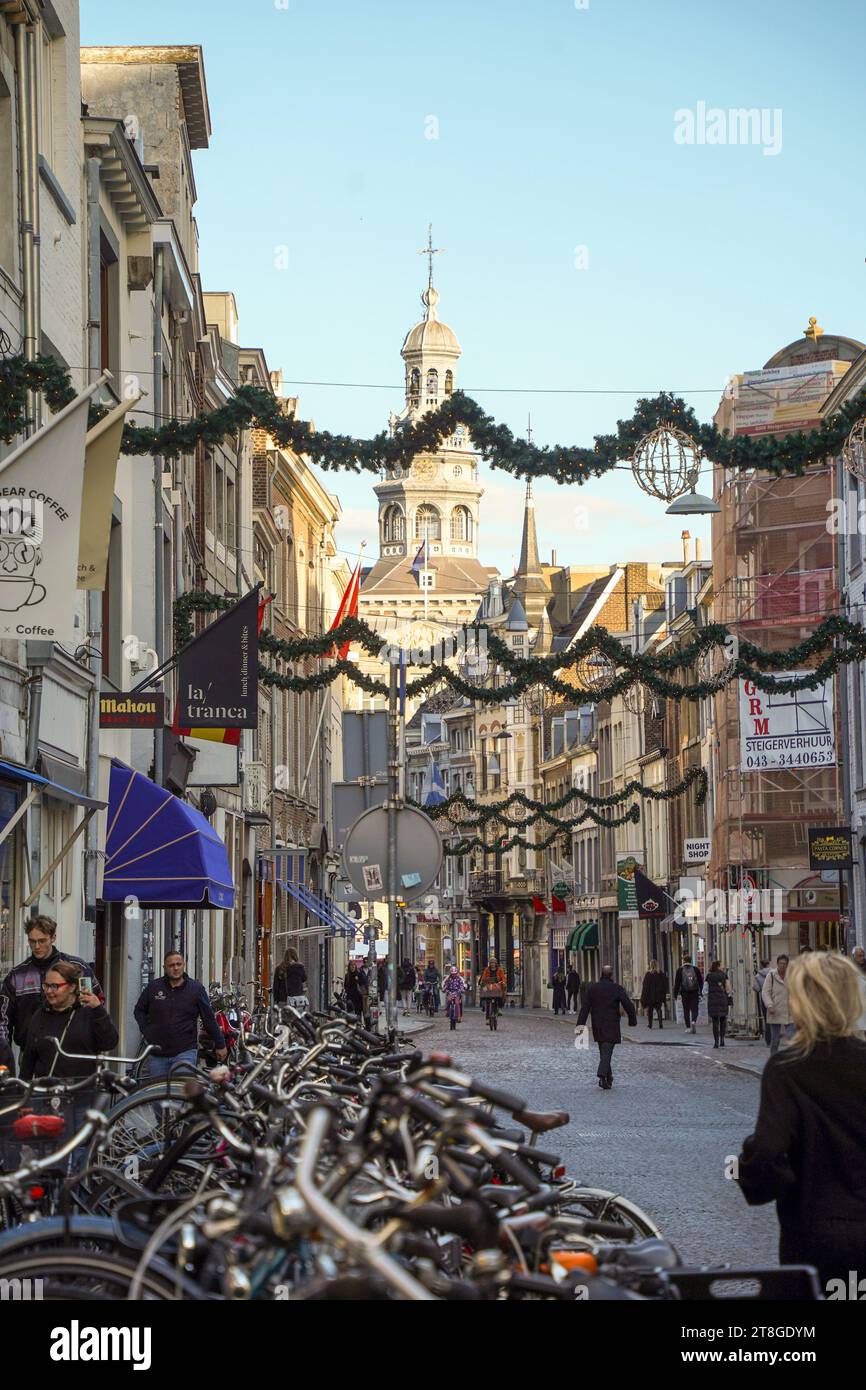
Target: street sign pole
391, 857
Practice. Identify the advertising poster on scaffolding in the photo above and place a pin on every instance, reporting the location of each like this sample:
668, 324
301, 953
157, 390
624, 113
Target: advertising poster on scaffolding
793, 730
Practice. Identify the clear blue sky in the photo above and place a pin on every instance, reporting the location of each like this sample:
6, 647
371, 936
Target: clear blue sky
555, 131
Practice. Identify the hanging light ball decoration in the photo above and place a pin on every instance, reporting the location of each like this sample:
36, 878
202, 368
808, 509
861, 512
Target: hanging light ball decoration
854, 450
517, 811
634, 699
666, 463
595, 671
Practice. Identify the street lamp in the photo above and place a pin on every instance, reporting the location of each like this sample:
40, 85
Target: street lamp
692, 504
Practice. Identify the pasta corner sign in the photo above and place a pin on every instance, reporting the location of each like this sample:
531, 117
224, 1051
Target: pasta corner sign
830, 848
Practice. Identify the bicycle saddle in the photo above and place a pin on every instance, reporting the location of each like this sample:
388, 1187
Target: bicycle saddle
540, 1121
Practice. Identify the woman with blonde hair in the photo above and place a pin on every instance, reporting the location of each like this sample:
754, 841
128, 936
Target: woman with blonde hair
808, 1151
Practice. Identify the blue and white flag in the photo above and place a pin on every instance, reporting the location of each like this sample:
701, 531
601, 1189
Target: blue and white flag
420, 561
433, 792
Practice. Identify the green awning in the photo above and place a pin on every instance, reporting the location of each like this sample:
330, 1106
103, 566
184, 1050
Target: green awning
582, 937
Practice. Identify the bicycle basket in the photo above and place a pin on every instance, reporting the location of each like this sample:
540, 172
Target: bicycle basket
491, 992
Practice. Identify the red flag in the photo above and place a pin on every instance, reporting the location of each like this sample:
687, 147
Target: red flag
539, 906
231, 736
557, 903
348, 609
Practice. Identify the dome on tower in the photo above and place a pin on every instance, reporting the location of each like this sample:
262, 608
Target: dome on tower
430, 335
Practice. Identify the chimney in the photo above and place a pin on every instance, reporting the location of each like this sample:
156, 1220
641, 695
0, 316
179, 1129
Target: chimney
553, 559
697, 547
686, 548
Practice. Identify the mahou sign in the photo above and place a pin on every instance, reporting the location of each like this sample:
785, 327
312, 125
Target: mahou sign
786, 730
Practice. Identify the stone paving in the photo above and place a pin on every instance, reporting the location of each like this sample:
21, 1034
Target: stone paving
661, 1136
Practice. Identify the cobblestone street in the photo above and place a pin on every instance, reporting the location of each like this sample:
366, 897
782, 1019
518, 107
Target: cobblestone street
660, 1136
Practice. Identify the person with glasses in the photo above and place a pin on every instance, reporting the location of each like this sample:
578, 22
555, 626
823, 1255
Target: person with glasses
77, 1019
21, 994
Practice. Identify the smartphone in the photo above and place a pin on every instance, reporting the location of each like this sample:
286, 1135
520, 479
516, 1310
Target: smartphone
84, 984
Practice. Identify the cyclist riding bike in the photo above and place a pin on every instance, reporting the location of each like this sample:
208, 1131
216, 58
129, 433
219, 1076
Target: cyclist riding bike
454, 988
492, 987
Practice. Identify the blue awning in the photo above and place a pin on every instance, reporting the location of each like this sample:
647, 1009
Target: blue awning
26, 774
159, 849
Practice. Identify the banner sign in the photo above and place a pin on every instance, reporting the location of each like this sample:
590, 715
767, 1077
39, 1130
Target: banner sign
626, 892
218, 672
794, 730
97, 497
778, 399
38, 573
141, 710
830, 848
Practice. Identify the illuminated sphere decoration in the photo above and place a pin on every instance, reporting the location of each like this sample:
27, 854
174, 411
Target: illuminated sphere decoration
666, 463
854, 450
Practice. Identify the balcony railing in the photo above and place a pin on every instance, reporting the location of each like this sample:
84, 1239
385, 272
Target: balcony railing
485, 885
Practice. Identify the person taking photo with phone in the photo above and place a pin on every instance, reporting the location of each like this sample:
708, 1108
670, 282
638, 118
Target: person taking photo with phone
21, 994
73, 1016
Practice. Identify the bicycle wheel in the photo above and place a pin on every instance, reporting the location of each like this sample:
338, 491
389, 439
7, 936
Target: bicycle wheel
65, 1275
140, 1126
607, 1206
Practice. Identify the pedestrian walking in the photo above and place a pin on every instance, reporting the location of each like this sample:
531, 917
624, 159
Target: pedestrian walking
572, 988
602, 1004
775, 996
355, 988
758, 985
808, 1151
21, 994
859, 958
688, 983
406, 984
168, 1013
290, 981
654, 992
719, 1001
558, 987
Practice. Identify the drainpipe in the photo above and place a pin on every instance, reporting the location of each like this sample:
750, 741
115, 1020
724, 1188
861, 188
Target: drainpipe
93, 597
33, 176
26, 200
158, 530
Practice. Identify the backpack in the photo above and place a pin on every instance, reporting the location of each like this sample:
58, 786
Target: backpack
690, 979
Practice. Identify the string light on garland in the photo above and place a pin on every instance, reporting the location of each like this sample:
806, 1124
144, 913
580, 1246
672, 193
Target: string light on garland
854, 450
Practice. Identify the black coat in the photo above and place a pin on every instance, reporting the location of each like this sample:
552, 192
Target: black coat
21, 997
88, 1030
406, 977
572, 982
356, 986
558, 992
678, 981
289, 982
717, 994
168, 1015
602, 1003
654, 990
808, 1154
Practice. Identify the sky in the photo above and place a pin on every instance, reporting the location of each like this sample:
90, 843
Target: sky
602, 238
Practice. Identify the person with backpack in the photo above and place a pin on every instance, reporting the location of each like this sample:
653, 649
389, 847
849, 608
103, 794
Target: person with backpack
688, 984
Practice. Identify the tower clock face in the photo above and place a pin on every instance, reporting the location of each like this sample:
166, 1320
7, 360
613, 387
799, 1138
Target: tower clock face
424, 468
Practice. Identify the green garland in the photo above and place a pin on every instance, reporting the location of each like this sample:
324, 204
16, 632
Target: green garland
464, 846
651, 671
481, 813
566, 464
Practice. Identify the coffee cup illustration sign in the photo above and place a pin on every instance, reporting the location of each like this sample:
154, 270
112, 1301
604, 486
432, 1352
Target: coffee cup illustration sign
19, 587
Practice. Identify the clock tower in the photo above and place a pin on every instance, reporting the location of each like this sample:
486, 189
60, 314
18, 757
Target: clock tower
434, 500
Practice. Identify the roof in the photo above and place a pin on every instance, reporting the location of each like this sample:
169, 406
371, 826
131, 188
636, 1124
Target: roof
189, 61
589, 598
431, 334
454, 575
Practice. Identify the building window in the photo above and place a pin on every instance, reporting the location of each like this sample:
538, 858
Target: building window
428, 524
426, 578
461, 524
208, 492
393, 524
231, 503
108, 307
449, 383
414, 386
432, 384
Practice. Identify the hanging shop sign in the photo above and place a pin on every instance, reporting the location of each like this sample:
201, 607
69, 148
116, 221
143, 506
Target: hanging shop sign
626, 891
696, 851
132, 710
792, 730
218, 671
830, 848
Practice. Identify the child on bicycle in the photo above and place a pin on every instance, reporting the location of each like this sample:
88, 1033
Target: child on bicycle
454, 988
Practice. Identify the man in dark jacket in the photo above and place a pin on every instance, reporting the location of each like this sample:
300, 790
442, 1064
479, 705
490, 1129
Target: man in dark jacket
168, 1012
602, 1004
688, 984
21, 994
572, 988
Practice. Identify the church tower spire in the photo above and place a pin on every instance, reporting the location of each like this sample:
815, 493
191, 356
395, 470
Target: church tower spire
529, 584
